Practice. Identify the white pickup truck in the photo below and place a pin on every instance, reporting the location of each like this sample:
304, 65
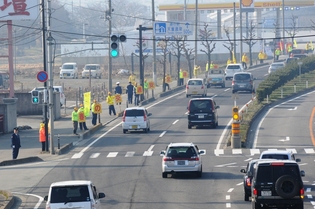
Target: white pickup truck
215, 77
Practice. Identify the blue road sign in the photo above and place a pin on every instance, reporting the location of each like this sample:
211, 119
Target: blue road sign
172, 29
42, 76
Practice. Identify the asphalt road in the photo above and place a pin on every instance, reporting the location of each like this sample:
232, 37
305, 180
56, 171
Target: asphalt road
127, 167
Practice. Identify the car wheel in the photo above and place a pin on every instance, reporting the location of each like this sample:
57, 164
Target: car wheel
223, 85
189, 126
209, 86
164, 175
256, 205
100, 76
199, 173
186, 95
145, 130
246, 197
82, 77
124, 131
233, 91
286, 187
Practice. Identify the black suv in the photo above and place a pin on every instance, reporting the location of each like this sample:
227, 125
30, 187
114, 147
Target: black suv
247, 181
202, 112
277, 183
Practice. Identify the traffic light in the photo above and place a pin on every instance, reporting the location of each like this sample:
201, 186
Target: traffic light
235, 113
114, 45
35, 97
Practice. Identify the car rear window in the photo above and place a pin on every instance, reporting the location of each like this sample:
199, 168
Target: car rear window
67, 67
64, 194
185, 152
275, 156
277, 65
130, 113
90, 67
274, 172
233, 67
195, 82
242, 77
197, 105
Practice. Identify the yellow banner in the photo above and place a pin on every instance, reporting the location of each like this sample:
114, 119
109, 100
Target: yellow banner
87, 103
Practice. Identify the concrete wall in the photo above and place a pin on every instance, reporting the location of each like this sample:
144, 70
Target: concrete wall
8, 109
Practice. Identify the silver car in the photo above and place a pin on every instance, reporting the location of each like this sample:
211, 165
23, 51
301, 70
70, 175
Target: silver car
275, 66
135, 119
181, 158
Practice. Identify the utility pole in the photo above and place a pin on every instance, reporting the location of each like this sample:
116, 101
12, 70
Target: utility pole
283, 29
109, 41
196, 22
45, 69
234, 28
154, 46
50, 79
241, 32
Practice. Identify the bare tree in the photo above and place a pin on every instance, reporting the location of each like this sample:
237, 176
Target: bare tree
250, 40
293, 30
144, 55
165, 51
188, 53
229, 44
177, 51
206, 35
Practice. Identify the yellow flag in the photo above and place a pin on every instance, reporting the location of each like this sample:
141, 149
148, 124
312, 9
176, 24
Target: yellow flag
311, 44
295, 44
234, 59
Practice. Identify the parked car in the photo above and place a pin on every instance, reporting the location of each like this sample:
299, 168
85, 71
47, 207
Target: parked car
275, 66
123, 72
243, 81
231, 69
92, 70
196, 86
300, 56
135, 119
181, 158
291, 59
69, 70
277, 184
279, 155
202, 112
74, 194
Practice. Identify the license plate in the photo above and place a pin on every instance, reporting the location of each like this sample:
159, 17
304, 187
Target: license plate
134, 127
201, 116
242, 86
214, 81
265, 193
181, 162
194, 92
65, 74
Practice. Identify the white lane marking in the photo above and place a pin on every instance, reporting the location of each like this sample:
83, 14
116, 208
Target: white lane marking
228, 205
162, 134
302, 164
249, 159
175, 122
292, 150
254, 151
77, 155
285, 140
40, 199
112, 154
95, 155
228, 197
312, 202
149, 152
236, 151
220, 166
239, 184
309, 196
227, 89
218, 152
293, 108
230, 190
308, 190
130, 154
309, 150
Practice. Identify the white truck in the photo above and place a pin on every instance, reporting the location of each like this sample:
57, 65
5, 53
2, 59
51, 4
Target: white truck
215, 77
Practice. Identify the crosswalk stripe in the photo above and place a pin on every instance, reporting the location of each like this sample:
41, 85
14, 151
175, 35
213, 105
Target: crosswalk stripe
309, 150
236, 151
292, 150
147, 153
112, 154
218, 152
95, 155
130, 154
77, 155
254, 151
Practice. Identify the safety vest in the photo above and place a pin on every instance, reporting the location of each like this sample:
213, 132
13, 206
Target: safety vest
277, 52
181, 75
42, 135
244, 58
228, 62
207, 67
196, 70
211, 66
145, 85
75, 116
261, 56
290, 48
110, 100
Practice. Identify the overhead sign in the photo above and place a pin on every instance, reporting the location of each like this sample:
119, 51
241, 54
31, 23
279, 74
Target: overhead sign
19, 10
247, 5
173, 29
42, 76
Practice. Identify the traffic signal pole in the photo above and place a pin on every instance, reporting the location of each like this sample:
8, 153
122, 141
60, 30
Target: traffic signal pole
109, 49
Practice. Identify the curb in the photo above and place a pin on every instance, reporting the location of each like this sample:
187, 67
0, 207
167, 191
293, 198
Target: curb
21, 161
6, 199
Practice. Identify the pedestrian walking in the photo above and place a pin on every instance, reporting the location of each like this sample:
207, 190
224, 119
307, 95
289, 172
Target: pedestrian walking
132, 78
15, 143
146, 89
75, 119
129, 92
82, 122
244, 61
261, 57
42, 135
135, 94
94, 114
181, 77
118, 90
110, 101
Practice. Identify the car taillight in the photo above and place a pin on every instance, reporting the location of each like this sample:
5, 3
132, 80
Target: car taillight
124, 116
248, 183
194, 158
202, 87
302, 193
167, 159
233, 82
144, 117
255, 192
187, 87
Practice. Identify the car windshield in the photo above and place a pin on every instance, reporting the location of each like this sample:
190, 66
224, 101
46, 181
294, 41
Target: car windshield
200, 105
195, 82
67, 66
274, 172
63, 194
90, 67
216, 72
242, 77
184, 152
233, 67
131, 113
276, 65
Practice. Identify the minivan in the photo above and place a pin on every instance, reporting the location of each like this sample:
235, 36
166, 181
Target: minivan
69, 70
243, 81
92, 70
196, 86
73, 194
202, 112
135, 119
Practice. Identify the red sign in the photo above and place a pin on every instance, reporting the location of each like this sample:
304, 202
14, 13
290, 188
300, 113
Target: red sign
151, 85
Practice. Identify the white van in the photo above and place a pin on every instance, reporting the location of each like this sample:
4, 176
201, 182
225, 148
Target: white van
73, 194
94, 69
69, 70
231, 69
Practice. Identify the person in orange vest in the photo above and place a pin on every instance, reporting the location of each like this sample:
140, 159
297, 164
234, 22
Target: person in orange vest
42, 135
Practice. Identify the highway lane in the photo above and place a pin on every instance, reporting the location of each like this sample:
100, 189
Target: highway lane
125, 180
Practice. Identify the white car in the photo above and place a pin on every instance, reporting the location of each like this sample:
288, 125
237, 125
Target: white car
278, 155
196, 86
73, 194
181, 158
69, 70
135, 119
231, 69
275, 66
94, 69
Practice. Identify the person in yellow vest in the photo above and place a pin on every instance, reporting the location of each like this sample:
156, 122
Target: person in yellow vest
146, 89
166, 84
82, 124
75, 119
290, 49
207, 67
211, 65
181, 77
277, 53
196, 71
132, 79
110, 101
228, 61
244, 60
261, 57
94, 115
